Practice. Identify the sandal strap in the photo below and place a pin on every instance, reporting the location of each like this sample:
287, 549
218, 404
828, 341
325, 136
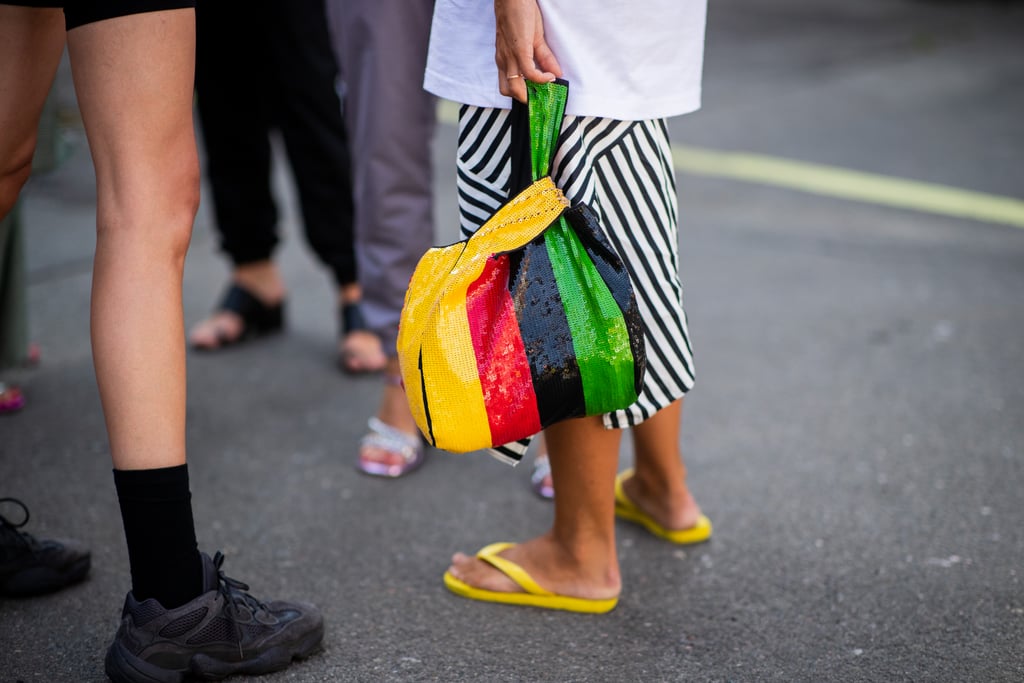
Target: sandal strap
511, 569
541, 469
253, 312
386, 437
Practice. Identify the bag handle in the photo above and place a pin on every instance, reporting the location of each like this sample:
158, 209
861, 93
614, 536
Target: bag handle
535, 129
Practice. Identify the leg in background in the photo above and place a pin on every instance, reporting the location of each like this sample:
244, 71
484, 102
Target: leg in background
658, 485
235, 88
309, 114
31, 43
382, 49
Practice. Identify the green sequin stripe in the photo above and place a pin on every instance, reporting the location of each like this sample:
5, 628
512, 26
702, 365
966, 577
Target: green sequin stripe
546, 109
599, 335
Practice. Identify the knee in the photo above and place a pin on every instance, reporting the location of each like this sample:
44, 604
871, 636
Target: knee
182, 204
160, 209
185, 216
187, 201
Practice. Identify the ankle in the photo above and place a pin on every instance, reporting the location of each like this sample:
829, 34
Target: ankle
592, 556
350, 293
156, 511
263, 279
394, 409
659, 485
667, 499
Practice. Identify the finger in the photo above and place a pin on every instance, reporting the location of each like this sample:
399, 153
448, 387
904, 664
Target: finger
515, 84
510, 76
506, 64
546, 60
504, 82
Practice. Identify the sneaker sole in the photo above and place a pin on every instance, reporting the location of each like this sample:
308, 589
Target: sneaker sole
124, 667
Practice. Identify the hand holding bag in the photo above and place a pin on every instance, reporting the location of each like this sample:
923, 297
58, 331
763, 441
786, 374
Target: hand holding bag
530, 321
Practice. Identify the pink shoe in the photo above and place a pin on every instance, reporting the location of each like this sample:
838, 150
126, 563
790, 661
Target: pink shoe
11, 398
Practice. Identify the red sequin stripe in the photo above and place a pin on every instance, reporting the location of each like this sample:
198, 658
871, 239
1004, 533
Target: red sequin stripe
500, 356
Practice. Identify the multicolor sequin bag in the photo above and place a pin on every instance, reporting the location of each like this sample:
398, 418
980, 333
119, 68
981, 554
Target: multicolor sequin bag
530, 321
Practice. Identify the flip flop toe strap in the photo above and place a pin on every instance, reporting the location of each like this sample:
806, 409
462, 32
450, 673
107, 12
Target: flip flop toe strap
511, 569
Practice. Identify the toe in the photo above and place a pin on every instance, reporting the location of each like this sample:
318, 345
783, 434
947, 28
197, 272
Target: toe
479, 574
380, 455
219, 328
203, 337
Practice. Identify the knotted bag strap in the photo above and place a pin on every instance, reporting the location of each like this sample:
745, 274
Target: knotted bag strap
535, 129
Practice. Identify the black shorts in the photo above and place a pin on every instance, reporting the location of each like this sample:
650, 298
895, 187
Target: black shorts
79, 12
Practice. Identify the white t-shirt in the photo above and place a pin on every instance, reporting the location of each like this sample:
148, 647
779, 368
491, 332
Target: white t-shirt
623, 60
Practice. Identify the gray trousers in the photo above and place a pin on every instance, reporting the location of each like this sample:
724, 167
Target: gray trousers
381, 47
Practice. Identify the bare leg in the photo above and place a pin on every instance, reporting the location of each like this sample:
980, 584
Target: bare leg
577, 556
658, 486
138, 119
31, 42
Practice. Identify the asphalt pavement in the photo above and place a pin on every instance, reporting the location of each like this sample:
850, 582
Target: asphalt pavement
856, 433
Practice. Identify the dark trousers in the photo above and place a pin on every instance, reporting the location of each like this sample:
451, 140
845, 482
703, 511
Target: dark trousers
269, 65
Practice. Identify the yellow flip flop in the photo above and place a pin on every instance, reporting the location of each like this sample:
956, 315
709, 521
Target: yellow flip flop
627, 509
534, 595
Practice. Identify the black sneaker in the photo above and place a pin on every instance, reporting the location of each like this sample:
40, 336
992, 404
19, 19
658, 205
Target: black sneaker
32, 566
222, 632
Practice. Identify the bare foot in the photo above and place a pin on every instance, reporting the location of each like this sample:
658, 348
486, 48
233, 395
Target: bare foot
361, 351
220, 328
550, 565
670, 504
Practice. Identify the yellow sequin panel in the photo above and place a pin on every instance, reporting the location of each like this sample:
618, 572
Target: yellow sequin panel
435, 327
420, 302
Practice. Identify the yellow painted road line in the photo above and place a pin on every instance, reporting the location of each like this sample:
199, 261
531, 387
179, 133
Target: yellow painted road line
833, 181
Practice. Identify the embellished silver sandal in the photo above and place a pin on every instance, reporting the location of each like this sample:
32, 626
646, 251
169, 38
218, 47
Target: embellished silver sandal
384, 437
539, 475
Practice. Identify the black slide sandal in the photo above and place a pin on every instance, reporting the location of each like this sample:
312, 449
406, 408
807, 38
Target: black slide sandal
258, 319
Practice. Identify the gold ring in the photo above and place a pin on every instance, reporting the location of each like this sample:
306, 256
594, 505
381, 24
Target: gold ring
511, 76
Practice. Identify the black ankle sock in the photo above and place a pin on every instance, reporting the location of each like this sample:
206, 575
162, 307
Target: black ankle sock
156, 508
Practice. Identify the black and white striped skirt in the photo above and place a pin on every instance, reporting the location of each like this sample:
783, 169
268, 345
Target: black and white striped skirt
623, 170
